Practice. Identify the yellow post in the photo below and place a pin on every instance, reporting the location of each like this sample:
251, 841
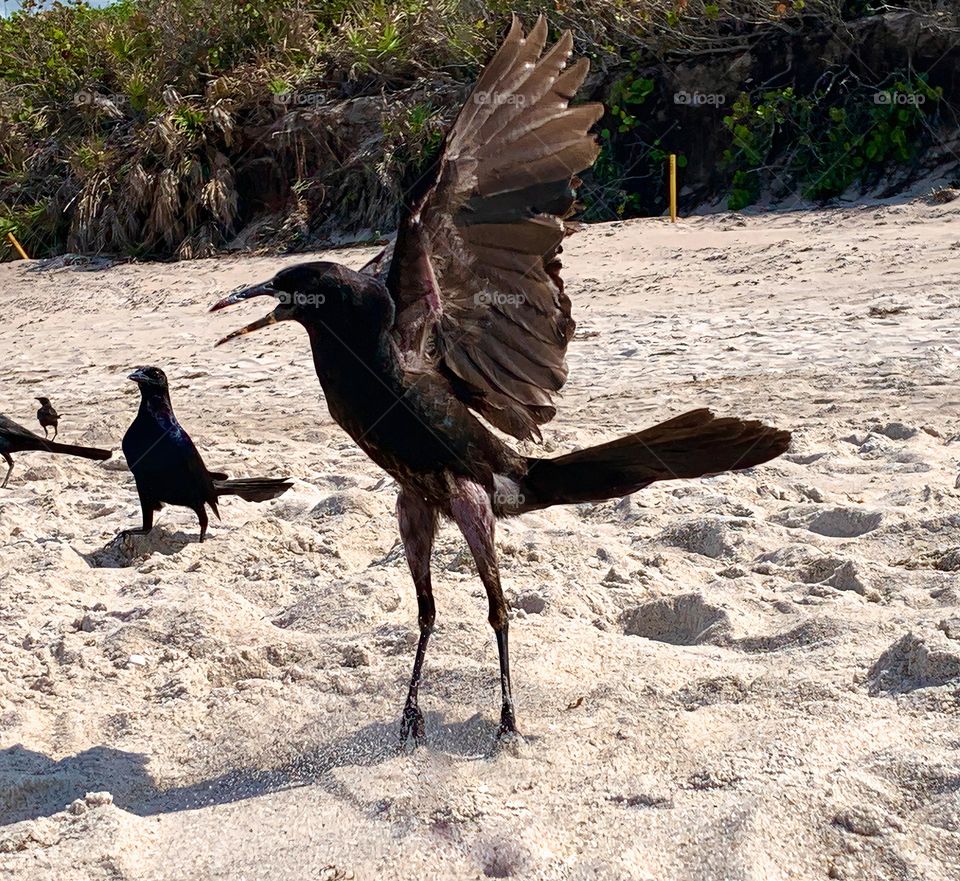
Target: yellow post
17, 245
673, 187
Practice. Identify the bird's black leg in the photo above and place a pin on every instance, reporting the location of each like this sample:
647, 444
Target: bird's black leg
472, 512
418, 525
46, 431
147, 509
204, 521
9, 470
55, 430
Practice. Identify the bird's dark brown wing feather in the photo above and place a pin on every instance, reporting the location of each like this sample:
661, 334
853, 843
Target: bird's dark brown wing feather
475, 273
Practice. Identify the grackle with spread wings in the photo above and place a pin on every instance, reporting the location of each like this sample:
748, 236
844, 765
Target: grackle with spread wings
468, 316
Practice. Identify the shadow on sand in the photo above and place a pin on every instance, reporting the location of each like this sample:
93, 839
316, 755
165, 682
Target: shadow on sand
33, 785
121, 551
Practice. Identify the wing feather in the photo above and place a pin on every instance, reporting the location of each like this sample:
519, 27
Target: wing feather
475, 270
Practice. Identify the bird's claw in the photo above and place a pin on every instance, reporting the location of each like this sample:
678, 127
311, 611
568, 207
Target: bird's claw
509, 740
127, 536
507, 734
411, 722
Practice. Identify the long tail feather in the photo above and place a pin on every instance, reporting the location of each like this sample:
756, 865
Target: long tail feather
253, 489
696, 444
71, 450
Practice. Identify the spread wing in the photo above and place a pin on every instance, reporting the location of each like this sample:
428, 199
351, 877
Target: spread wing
475, 272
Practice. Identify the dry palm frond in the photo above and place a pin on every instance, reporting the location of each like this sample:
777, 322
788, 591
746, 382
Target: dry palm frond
190, 178
109, 229
201, 243
169, 136
126, 229
86, 233
222, 120
219, 195
137, 187
190, 172
165, 223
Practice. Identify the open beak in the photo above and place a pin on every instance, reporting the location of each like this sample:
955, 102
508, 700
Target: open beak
258, 290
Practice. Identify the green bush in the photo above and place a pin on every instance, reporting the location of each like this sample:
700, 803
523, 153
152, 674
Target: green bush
161, 127
835, 136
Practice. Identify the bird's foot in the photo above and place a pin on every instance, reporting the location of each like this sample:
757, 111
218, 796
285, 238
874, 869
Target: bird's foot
511, 743
508, 721
127, 535
508, 738
411, 723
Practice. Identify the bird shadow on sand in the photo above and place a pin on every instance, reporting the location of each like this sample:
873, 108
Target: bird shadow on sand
122, 552
34, 785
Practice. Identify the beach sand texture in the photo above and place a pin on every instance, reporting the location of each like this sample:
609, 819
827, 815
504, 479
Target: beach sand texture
753, 677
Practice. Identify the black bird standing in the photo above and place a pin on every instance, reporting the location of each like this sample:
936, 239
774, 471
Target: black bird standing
15, 438
48, 417
168, 468
469, 313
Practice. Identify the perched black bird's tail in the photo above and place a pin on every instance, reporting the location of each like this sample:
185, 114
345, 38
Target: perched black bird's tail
253, 489
696, 444
71, 450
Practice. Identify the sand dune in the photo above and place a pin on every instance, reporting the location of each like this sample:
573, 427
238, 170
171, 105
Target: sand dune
755, 676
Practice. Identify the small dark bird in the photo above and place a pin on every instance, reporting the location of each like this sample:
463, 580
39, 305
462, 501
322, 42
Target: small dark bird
17, 439
167, 466
468, 315
48, 417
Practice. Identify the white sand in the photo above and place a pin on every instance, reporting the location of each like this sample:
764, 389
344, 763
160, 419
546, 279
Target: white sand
749, 677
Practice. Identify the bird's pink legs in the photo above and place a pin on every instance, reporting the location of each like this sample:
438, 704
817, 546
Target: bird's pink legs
418, 525
471, 510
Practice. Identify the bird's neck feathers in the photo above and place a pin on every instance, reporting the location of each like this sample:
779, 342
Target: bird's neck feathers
338, 356
156, 402
350, 331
